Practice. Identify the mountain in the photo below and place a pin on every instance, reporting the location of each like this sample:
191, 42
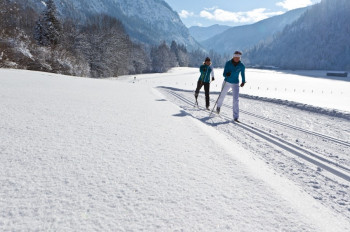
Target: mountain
318, 40
244, 37
204, 33
148, 22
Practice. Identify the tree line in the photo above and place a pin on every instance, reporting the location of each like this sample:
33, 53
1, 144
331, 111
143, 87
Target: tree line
319, 39
97, 48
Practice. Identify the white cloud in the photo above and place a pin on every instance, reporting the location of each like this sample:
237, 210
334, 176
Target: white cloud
185, 14
293, 4
238, 17
212, 8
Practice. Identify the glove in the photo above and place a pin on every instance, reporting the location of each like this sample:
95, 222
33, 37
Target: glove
242, 84
228, 74
212, 79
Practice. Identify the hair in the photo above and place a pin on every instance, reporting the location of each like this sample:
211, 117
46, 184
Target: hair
207, 59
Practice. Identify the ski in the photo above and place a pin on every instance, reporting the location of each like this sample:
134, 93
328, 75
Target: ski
196, 103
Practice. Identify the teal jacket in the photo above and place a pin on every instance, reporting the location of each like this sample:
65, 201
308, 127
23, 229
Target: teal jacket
205, 71
234, 70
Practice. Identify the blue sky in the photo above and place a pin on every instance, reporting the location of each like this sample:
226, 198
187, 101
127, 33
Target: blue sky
232, 12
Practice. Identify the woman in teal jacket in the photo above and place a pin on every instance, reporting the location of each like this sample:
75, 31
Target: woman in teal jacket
206, 71
233, 68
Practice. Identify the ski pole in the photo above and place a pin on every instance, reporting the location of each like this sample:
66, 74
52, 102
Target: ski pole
218, 98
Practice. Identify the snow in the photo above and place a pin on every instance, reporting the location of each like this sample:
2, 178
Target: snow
24, 50
134, 155
307, 87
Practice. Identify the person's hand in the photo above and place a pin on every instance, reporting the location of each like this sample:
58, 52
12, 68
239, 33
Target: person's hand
242, 84
228, 74
212, 79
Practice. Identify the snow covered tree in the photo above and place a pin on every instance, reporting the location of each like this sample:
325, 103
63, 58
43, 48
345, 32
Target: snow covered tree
180, 52
183, 56
140, 61
48, 29
162, 58
105, 46
197, 57
9, 18
174, 51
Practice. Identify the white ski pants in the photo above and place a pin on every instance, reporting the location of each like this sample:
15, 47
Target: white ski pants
235, 94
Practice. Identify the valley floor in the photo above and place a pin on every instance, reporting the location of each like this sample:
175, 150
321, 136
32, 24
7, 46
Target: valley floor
133, 154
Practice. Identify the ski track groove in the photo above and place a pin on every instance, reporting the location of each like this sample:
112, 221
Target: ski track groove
329, 138
322, 136
332, 167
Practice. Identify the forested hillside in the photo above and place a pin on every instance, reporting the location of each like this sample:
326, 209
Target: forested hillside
97, 47
147, 22
320, 39
44, 42
247, 36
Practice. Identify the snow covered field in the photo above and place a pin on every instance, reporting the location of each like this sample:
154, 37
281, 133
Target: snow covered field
126, 154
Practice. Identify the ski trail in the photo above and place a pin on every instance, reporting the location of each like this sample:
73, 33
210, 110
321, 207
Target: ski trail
331, 176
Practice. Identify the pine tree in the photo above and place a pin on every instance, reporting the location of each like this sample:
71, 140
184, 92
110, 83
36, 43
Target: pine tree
175, 51
162, 58
9, 18
48, 28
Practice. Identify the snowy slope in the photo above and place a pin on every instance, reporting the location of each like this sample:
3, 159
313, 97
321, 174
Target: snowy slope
113, 155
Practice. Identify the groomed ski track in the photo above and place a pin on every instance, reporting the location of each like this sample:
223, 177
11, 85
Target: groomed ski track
305, 161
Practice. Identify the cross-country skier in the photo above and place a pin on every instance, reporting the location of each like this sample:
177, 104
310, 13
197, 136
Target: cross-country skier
231, 73
206, 71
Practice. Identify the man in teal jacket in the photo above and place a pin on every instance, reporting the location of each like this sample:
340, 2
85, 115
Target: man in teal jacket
232, 69
206, 71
